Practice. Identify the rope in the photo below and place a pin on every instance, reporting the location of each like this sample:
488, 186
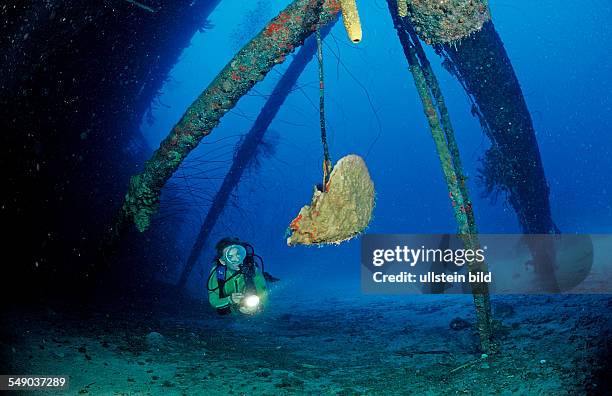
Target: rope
327, 165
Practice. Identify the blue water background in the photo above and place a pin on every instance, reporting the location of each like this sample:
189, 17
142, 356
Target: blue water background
561, 55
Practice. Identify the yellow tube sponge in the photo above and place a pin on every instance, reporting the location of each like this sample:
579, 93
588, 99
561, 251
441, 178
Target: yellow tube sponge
402, 8
350, 17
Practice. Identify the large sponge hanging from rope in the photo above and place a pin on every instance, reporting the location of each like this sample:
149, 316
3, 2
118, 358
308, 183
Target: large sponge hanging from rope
339, 213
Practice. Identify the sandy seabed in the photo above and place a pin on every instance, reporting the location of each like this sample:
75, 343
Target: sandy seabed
548, 345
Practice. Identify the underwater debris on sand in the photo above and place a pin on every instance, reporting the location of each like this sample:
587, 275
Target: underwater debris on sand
321, 349
341, 211
154, 340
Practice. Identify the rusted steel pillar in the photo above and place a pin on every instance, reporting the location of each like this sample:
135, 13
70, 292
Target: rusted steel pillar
251, 64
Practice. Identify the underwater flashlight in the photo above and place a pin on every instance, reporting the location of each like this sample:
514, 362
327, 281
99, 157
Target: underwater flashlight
251, 301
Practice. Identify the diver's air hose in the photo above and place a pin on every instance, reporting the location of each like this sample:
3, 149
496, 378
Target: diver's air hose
214, 272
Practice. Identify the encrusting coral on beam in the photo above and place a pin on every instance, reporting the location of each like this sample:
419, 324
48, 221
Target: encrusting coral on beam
513, 165
439, 22
350, 18
251, 64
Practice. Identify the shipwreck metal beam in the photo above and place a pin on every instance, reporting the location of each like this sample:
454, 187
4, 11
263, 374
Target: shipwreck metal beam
484, 66
250, 65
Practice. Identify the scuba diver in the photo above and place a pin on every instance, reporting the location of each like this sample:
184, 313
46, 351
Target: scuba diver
236, 282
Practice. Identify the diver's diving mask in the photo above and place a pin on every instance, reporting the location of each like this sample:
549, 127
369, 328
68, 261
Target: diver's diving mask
234, 254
